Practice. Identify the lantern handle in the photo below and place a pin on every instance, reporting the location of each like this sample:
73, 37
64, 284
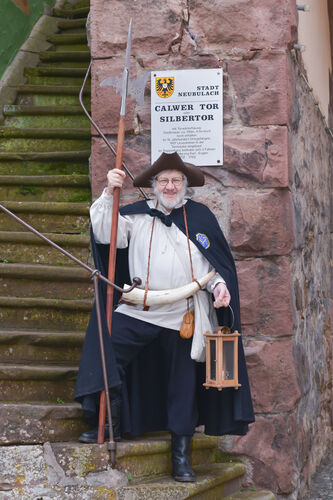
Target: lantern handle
233, 317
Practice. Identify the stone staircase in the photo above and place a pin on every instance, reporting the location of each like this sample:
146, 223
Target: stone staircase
76, 471
45, 303
45, 299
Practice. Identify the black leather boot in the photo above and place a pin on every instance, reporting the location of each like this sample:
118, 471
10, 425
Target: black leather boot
181, 468
91, 436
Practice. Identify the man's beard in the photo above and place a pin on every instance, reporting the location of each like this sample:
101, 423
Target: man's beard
170, 205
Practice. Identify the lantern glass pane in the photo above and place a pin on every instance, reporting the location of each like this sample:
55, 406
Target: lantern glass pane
228, 360
212, 344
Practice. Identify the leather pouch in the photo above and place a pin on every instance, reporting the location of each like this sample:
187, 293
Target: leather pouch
187, 327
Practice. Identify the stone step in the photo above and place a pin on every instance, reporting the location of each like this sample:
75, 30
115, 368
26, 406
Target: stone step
46, 180
26, 423
57, 80
213, 481
73, 30
26, 110
26, 144
55, 76
65, 55
35, 280
50, 95
69, 24
24, 347
49, 89
38, 313
252, 494
78, 47
55, 71
55, 217
25, 247
47, 140
149, 455
78, 64
68, 38
58, 188
52, 167
43, 140
46, 156
71, 14
68, 470
64, 470
49, 163
29, 383
44, 133
51, 117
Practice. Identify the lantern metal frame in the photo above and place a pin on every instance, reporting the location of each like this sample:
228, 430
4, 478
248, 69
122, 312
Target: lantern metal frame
221, 336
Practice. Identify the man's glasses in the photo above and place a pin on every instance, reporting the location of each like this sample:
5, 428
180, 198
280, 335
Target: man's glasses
177, 181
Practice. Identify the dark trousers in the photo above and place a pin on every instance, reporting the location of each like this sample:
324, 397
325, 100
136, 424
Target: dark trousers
130, 335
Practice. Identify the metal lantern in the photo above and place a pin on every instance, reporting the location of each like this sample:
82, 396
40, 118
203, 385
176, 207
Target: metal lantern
222, 358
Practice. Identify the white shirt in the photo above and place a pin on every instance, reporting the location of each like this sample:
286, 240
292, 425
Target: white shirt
166, 269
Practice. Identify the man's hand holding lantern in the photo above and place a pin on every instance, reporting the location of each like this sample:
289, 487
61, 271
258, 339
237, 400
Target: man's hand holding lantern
221, 295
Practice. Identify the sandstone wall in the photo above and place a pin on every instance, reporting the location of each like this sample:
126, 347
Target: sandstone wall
311, 269
253, 196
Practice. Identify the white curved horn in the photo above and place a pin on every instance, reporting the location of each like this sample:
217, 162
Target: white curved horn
161, 297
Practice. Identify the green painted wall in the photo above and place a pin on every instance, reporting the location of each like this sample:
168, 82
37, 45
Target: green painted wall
15, 28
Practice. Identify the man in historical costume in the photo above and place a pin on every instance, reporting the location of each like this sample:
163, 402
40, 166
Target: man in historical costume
155, 375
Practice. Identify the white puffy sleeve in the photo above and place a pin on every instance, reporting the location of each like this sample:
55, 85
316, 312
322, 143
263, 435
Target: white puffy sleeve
217, 278
101, 218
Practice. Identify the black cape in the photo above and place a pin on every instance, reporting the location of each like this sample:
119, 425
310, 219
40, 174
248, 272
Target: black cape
144, 402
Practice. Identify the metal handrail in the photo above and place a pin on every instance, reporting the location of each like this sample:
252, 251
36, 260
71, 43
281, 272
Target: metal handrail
96, 276
136, 281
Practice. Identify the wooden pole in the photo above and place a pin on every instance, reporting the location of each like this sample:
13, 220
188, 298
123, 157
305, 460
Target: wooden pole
111, 269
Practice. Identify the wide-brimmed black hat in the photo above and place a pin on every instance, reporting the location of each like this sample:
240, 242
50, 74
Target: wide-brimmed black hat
170, 161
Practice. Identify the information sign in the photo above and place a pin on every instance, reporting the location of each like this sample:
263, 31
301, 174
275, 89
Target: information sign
187, 115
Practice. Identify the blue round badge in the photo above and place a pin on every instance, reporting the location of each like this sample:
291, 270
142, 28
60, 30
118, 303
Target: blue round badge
203, 240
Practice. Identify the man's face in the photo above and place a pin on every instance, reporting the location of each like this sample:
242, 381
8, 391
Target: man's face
169, 188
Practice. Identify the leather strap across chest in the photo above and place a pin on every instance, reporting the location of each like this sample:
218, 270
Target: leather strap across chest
155, 213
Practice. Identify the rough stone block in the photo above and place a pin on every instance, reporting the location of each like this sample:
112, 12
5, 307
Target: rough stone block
36, 423
263, 88
214, 196
155, 27
102, 161
255, 156
265, 296
22, 467
151, 61
253, 23
245, 24
271, 446
261, 223
272, 375
106, 101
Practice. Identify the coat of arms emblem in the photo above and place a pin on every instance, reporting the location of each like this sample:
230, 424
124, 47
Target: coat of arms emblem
203, 240
165, 86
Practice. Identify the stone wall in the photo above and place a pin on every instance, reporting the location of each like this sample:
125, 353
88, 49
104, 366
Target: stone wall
311, 188
255, 196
